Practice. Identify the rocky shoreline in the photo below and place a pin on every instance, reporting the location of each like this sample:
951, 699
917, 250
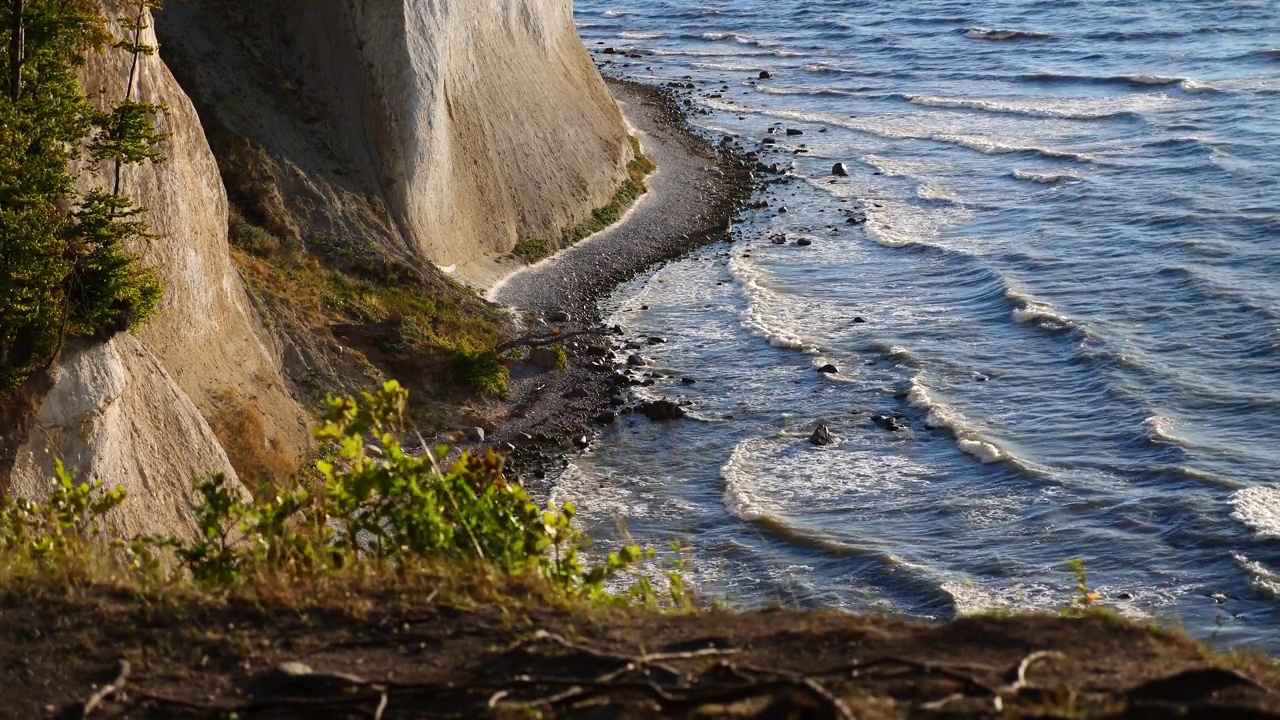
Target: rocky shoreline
693, 197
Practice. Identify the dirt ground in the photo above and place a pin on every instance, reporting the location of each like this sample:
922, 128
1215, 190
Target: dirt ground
111, 654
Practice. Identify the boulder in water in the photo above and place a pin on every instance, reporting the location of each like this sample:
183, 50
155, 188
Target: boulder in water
829, 370
821, 436
839, 170
662, 410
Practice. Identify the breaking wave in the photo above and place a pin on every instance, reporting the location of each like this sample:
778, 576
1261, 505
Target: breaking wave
945, 417
983, 33
1188, 85
763, 316
1043, 178
1067, 109
1162, 430
736, 37
1258, 508
1261, 578
1027, 309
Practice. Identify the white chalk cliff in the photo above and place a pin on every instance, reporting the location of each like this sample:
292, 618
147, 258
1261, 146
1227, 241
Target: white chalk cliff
419, 130
437, 131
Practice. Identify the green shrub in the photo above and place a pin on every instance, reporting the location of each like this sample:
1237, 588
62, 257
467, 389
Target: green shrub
61, 532
533, 249
481, 370
252, 239
372, 506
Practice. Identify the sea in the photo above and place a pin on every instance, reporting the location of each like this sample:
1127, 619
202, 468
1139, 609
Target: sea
1049, 282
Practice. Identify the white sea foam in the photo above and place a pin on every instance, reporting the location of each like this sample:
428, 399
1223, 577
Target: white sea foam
786, 477
616, 13
1258, 508
1028, 309
766, 315
1163, 430
1044, 178
972, 599
968, 436
910, 130
633, 35
1066, 108
1138, 603
1261, 578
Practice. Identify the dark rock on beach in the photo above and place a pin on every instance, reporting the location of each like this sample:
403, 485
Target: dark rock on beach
662, 410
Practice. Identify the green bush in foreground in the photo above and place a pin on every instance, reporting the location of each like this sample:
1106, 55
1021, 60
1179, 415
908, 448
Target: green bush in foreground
373, 506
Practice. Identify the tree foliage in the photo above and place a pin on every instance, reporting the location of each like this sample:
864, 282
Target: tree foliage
66, 268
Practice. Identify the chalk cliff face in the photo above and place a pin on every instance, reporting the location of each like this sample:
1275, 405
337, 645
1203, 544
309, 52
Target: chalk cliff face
142, 411
433, 131
417, 131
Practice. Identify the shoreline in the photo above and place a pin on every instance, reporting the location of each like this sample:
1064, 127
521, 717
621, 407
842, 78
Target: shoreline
690, 202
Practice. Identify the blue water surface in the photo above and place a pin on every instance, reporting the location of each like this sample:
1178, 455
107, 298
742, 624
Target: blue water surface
1062, 278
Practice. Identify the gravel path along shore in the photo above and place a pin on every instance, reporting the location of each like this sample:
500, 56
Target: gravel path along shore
690, 202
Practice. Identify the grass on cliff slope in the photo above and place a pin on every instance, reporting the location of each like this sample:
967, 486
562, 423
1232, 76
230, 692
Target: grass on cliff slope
428, 331
535, 249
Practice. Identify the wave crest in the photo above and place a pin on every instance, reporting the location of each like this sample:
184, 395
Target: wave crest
1043, 178
1162, 430
759, 318
1188, 85
1028, 309
945, 417
1258, 508
998, 34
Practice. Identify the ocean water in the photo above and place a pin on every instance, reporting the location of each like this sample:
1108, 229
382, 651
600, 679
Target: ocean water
1066, 261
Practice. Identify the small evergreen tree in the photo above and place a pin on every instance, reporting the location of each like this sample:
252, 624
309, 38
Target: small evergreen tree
65, 267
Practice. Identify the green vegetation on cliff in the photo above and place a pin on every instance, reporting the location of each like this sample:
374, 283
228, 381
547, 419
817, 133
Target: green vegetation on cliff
370, 507
534, 249
67, 267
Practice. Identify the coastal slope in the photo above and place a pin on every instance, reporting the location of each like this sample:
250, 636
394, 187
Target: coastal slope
381, 143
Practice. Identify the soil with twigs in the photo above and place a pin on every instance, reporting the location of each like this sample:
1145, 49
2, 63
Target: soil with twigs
110, 654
